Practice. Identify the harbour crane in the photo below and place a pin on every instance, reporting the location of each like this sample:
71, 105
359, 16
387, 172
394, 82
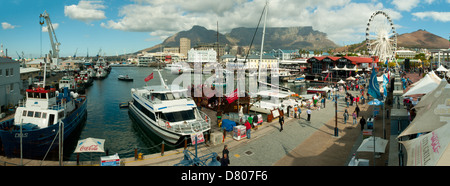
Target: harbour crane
44, 17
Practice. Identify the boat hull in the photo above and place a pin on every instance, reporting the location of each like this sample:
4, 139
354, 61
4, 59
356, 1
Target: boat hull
36, 143
151, 128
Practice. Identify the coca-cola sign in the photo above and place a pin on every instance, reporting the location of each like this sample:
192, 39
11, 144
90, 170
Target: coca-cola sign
90, 145
89, 148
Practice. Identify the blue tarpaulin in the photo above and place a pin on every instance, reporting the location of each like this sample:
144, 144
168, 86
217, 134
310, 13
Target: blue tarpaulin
228, 125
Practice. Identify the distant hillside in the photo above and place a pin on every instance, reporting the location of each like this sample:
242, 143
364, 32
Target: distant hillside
275, 38
417, 39
422, 39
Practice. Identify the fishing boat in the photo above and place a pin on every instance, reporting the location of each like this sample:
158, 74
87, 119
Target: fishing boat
37, 122
167, 111
124, 78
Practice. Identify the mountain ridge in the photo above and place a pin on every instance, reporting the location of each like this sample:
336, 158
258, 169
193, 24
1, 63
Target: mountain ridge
275, 38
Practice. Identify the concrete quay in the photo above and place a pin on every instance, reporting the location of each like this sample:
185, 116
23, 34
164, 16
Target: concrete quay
301, 143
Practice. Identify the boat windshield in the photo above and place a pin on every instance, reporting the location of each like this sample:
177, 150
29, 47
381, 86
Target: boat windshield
178, 116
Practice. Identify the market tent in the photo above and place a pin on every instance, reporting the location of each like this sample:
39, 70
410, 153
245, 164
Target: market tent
441, 69
350, 78
375, 102
426, 85
341, 82
367, 145
430, 149
429, 98
90, 145
434, 114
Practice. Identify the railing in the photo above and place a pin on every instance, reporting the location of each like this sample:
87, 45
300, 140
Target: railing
198, 125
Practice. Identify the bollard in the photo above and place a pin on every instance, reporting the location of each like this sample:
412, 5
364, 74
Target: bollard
135, 153
78, 158
140, 157
162, 149
185, 143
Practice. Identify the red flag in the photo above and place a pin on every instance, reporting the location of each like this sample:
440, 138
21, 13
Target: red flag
327, 77
232, 97
149, 77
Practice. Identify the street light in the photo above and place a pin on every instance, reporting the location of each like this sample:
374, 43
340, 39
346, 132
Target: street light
336, 130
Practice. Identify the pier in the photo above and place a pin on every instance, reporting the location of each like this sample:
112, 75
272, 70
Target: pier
300, 143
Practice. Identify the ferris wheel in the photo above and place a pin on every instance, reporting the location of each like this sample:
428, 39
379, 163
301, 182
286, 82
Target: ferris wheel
381, 37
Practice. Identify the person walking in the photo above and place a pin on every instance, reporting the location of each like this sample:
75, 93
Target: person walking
281, 120
309, 114
224, 161
345, 116
354, 117
225, 151
362, 122
357, 110
248, 128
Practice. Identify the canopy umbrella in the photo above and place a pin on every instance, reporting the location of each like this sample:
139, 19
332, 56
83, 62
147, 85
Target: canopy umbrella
441, 69
350, 78
430, 149
426, 85
430, 97
375, 102
434, 114
367, 145
90, 145
341, 82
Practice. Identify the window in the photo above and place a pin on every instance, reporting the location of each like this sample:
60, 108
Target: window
11, 71
37, 114
179, 116
24, 113
6, 72
30, 113
44, 115
1, 71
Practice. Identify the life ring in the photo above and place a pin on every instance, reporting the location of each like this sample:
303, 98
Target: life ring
168, 124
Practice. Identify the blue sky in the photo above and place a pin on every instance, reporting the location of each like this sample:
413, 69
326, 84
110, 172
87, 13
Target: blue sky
118, 26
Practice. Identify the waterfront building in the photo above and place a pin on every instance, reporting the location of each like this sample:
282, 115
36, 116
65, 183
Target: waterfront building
9, 83
185, 46
146, 58
405, 54
339, 65
171, 50
284, 54
202, 56
268, 61
220, 48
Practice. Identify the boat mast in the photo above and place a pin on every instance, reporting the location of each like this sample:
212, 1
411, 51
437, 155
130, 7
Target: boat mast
262, 41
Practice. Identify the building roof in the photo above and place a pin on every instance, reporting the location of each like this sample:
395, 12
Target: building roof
353, 59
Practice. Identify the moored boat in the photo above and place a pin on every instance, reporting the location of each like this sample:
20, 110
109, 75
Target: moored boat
36, 123
168, 112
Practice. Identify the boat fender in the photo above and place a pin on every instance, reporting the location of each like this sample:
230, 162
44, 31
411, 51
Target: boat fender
206, 118
168, 124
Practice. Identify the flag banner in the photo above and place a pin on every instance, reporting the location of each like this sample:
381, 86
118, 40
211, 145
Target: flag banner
385, 82
149, 77
327, 77
232, 97
374, 87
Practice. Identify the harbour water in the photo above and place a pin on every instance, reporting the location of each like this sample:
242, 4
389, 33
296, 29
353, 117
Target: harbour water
107, 121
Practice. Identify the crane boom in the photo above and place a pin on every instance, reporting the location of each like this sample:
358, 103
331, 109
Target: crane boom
51, 32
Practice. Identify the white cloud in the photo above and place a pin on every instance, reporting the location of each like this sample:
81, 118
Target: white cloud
342, 20
55, 26
7, 26
437, 16
86, 11
407, 5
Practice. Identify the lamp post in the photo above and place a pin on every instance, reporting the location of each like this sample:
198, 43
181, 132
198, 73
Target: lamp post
336, 130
